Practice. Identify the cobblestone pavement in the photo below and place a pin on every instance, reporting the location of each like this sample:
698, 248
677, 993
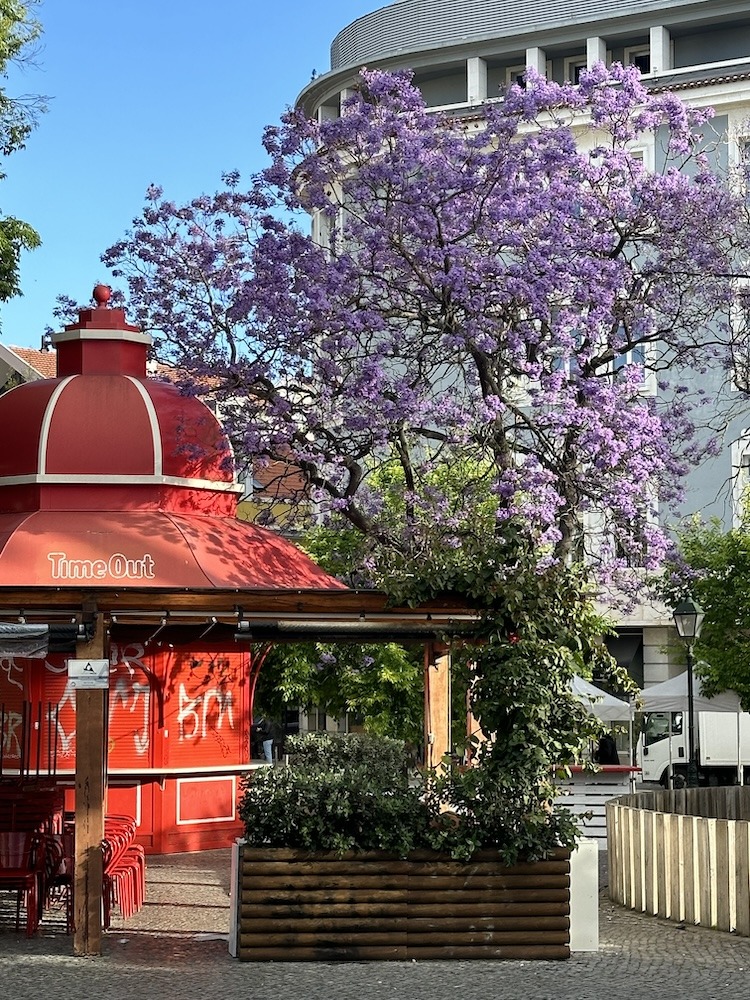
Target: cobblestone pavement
177, 948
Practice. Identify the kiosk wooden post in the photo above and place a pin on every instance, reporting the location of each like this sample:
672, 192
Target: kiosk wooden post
91, 704
437, 692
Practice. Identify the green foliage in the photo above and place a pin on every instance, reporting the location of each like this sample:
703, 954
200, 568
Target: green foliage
384, 756
342, 793
355, 793
15, 236
380, 684
19, 30
441, 548
484, 807
545, 634
713, 567
18, 117
340, 549
538, 630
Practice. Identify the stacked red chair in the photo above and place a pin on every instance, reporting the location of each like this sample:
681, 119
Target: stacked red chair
124, 868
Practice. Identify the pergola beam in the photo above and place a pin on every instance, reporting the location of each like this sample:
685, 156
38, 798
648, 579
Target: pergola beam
230, 605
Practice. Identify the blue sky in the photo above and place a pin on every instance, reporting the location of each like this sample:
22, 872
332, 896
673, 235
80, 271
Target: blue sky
172, 92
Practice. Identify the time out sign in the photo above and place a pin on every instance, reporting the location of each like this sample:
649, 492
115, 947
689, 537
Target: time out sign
115, 567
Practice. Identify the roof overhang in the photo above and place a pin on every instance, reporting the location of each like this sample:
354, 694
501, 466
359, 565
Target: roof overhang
247, 615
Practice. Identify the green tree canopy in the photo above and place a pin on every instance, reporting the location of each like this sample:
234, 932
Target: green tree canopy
713, 567
380, 684
19, 30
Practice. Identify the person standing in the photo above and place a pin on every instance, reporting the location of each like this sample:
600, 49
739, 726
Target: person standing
267, 732
607, 750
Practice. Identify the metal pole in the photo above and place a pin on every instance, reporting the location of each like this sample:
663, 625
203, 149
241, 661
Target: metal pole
692, 772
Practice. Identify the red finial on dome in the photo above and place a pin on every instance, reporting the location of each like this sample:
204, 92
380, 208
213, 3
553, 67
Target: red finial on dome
102, 342
102, 294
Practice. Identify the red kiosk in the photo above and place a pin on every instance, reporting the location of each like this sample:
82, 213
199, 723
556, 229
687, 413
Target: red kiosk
110, 479
119, 546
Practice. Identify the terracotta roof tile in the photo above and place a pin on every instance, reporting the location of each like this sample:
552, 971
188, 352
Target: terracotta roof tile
45, 362
279, 481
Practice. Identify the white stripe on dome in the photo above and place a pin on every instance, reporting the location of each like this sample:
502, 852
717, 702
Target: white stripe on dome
47, 423
107, 480
153, 418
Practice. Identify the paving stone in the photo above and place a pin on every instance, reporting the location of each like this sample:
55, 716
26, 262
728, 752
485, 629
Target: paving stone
180, 951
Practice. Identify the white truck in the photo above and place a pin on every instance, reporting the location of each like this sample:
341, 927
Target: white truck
722, 742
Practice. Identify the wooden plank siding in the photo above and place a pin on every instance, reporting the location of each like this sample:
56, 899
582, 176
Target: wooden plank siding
683, 855
300, 907
585, 794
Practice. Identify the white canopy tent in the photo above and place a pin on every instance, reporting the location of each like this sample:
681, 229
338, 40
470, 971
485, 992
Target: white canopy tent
601, 704
672, 696
604, 706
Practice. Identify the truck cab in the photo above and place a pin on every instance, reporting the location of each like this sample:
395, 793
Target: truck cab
722, 744
660, 751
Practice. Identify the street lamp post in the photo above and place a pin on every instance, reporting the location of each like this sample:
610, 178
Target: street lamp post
688, 619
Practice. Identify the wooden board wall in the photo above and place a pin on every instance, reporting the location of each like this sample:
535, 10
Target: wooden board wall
297, 907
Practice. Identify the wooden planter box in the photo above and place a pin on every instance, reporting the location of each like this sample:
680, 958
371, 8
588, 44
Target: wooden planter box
291, 906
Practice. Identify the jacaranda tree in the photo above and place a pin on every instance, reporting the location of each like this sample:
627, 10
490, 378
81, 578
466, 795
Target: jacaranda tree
491, 292
455, 357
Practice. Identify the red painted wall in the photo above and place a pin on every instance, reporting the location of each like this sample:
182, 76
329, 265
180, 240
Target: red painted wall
178, 728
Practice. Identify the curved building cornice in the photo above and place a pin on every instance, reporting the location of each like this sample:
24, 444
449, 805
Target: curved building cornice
413, 26
415, 34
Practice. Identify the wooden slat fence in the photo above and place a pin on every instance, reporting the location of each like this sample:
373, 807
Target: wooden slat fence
297, 907
683, 855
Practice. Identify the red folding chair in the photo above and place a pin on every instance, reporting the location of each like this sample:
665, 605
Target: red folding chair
22, 872
124, 868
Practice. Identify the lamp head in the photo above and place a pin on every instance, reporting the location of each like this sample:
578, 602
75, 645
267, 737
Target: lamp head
688, 619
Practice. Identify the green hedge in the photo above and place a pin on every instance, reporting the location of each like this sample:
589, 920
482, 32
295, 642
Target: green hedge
354, 793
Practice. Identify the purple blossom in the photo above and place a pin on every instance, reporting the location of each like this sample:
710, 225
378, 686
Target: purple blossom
463, 337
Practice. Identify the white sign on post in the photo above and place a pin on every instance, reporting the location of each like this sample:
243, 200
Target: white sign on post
88, 673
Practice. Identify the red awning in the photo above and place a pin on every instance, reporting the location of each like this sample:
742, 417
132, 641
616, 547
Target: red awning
150, 548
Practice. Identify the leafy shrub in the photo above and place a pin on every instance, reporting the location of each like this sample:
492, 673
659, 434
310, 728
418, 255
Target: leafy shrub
383, 756
482, 808
341, 793
354, 793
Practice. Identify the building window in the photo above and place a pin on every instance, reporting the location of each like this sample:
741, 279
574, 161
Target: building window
595, 538
574, 66
740, 340
632, 550
317, 721
635, 356
638, 56
515, 74
638, 357
740, 455
644, 155
743, 165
